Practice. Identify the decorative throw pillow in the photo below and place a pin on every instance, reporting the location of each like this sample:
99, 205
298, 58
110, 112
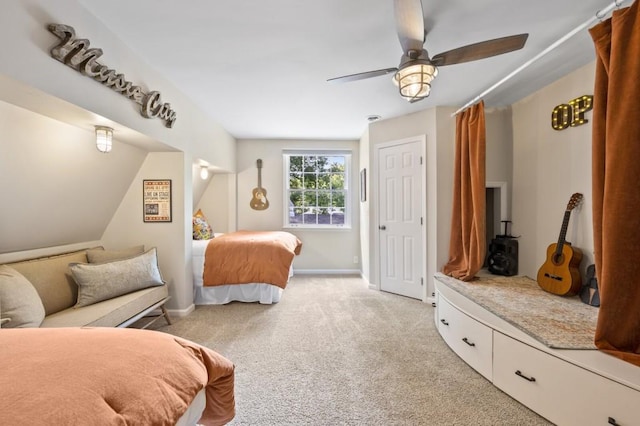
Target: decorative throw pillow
102, 281
99, 255
201, 228
20, 301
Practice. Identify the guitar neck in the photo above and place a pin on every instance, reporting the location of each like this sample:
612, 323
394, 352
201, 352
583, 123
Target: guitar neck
563, 232
259, 164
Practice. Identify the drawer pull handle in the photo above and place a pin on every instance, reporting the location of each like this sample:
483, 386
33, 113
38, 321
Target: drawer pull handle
444, 321
530, 379
612, 421
464, 339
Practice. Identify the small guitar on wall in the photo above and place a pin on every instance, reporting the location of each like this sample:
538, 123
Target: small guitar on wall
259, 200
559, 274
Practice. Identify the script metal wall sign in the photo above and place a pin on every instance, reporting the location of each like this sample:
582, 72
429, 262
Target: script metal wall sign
75, 52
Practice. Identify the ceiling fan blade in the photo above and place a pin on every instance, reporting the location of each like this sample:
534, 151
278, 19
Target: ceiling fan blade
481, 50
362, 75
409, 24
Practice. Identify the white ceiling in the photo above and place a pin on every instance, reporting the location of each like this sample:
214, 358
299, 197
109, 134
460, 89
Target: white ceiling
259, 68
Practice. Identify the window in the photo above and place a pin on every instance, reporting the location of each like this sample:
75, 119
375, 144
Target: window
317, 189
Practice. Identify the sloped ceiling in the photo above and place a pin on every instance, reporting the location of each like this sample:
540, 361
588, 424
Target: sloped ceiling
58, 189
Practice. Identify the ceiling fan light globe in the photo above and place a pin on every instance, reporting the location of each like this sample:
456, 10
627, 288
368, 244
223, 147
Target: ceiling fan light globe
414, 81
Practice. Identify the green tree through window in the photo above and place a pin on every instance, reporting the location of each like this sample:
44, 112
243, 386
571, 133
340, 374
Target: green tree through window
317, 190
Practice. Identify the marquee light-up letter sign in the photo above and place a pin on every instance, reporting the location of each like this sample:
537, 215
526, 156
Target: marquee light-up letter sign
571, 114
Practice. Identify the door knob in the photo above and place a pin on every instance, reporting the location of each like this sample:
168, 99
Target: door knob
382, 227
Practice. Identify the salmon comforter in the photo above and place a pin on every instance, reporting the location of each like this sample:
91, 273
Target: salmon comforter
109, 376
250, 257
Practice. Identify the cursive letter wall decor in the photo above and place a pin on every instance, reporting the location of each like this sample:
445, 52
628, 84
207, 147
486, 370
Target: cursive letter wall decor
76, 53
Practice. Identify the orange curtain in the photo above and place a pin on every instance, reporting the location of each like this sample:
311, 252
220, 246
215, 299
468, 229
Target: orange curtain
616, 177
467, 245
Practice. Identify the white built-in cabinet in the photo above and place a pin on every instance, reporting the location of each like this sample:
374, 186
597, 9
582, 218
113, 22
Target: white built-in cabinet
567, 387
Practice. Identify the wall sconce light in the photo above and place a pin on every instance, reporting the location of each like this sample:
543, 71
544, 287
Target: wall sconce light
104, 137
204, 172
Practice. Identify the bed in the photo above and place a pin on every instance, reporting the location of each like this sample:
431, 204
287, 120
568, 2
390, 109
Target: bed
111, 376
244, 266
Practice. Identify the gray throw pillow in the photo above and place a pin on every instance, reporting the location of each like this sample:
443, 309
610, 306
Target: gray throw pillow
102, 281
21, 304
99, 255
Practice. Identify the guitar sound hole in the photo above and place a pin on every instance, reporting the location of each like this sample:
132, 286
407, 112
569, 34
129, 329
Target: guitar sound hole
558, 259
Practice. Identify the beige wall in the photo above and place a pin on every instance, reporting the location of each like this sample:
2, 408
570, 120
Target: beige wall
218, 202
64, 192
437, 126
328, 250
86, 102
173, 244
365, 209
58, 190
56, 187
548, 167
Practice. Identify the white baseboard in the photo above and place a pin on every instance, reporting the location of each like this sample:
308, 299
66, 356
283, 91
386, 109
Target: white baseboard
327, 272
180, 313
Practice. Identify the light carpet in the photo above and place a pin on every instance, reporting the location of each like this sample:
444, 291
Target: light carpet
334, 352
556, 321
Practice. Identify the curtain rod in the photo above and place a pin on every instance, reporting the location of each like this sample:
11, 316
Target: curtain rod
599, 15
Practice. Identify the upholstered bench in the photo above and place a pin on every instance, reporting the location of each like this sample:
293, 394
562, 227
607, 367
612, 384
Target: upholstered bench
91, 287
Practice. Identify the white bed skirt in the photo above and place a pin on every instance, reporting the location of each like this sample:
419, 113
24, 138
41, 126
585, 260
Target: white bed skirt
194, 410
219, 295
266, 294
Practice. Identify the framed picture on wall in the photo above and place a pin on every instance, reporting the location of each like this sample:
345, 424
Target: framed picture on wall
363, 185
156, 196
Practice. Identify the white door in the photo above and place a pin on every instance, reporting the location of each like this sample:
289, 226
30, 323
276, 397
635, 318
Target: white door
400, 225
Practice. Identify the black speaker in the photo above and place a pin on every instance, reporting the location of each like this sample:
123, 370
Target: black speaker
503, 256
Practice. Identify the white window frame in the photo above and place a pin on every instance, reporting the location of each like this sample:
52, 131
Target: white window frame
347, 154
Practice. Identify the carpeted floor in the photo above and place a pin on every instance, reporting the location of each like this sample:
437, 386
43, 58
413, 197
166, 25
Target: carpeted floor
333, 352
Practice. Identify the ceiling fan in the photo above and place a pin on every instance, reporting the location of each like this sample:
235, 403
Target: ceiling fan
416, 70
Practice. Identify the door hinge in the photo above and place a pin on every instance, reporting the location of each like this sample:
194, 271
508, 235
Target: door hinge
421, 159
421, 222
421, 280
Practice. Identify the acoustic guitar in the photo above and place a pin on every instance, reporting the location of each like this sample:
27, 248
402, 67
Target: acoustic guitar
259, 200
559, 274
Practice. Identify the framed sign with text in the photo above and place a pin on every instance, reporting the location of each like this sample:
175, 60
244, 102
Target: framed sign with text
156, 196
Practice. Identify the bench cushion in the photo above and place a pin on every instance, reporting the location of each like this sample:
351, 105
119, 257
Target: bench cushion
103, 281
20, 302
52, 280
109, 313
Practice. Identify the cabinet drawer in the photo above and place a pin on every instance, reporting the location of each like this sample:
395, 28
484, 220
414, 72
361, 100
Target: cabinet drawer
470, 339
560, 391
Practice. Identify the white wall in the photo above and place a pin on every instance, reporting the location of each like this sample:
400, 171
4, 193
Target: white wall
58, 190
216, 202
365, 209
439, 129
28, 61
329, 250
548, 167
127, 227
56, 187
